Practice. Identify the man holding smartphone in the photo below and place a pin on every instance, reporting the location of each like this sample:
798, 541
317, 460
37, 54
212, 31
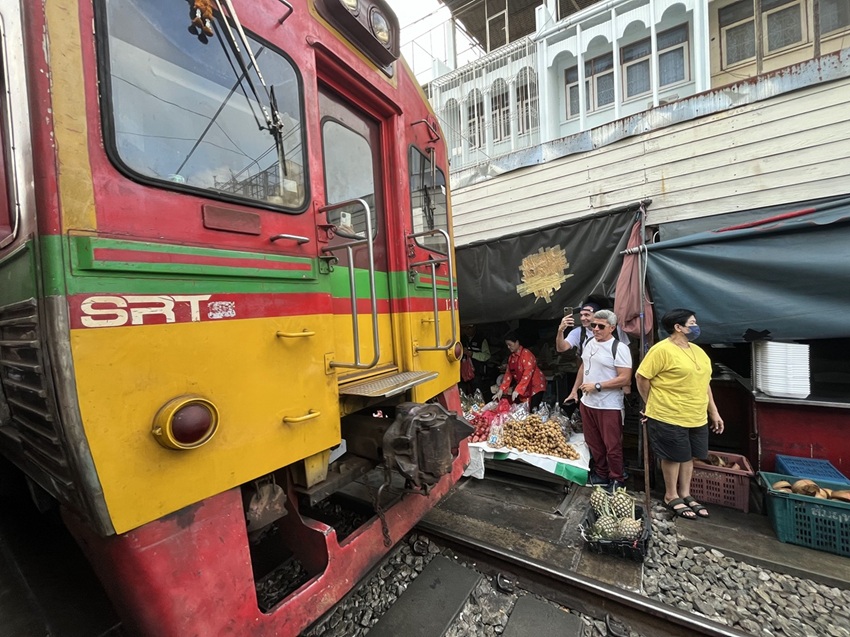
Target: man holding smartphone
574, 337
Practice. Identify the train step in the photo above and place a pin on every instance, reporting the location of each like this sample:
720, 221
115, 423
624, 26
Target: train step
386, 386
430, 604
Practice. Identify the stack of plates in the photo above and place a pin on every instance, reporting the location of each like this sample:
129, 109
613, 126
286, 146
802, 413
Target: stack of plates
781, 369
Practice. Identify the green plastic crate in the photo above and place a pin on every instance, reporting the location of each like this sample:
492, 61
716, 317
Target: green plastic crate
813, 522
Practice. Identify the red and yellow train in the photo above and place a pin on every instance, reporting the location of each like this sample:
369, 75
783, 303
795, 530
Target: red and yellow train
227, 298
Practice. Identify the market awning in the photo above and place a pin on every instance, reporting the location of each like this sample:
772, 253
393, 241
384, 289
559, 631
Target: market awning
535, 274
784, 277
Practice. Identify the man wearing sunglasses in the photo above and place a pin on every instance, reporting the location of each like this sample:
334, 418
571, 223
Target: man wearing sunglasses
606, 368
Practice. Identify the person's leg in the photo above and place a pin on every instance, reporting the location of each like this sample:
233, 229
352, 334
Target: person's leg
593, 438
698, 442
611, 429
670, 471
670, 444
686, 472
535, 400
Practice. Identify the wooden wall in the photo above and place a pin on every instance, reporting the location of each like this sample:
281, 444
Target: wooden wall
782, 150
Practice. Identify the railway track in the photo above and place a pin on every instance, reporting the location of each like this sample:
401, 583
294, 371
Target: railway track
623, 611
454, 577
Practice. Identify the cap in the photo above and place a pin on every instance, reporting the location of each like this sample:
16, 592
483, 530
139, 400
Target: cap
590, 304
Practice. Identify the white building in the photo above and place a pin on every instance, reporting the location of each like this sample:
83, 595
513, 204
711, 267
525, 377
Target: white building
704, 107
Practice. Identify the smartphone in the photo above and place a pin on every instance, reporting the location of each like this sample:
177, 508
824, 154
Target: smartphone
568, 311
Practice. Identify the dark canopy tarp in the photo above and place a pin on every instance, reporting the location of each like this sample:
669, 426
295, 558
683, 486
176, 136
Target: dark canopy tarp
785, 276
490, 272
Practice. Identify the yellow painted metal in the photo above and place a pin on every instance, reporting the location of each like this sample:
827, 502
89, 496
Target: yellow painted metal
257, 381
344, 343
313, 469
277, 403
67, 94
419, 328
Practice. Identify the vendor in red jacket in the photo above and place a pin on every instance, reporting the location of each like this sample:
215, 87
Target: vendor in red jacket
523, 374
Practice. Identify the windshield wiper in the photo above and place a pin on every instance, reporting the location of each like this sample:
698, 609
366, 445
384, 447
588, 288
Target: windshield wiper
274, 120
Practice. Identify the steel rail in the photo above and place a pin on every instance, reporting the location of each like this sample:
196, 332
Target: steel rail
594, 595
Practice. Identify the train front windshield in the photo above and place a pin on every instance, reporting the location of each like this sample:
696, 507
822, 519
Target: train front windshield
180, 109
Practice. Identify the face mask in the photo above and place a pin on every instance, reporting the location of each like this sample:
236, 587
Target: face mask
693, 334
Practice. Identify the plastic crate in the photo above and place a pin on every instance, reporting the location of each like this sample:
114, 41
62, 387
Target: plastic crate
812, 468
812, 522
632, 549
722, 485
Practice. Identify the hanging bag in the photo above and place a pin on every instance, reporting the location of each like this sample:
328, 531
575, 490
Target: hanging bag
467, 371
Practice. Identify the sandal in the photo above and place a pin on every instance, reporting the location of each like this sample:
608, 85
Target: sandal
696, 507
683, 511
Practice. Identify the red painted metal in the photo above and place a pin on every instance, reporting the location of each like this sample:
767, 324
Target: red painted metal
202, 553
111, 255
256, 306
803, 430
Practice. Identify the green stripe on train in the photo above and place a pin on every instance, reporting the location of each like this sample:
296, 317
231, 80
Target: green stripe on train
86, 275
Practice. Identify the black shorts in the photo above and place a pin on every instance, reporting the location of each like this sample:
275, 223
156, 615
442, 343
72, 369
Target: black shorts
678, 444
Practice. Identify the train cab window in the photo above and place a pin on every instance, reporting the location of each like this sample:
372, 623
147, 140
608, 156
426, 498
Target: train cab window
8, 208
428, 201
181, 110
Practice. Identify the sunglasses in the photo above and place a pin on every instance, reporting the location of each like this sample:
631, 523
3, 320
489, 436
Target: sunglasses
598, 326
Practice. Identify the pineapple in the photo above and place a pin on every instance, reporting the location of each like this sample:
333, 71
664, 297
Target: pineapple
599, 500
606, 527
622, 504
630, 529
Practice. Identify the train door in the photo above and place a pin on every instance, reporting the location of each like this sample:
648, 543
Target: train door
357, 247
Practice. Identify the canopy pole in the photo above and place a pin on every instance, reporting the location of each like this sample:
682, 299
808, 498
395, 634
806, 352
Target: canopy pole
641, 274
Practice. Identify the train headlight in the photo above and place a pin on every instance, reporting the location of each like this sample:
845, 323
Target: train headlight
455, 353
370, 25
185, 422
380, 26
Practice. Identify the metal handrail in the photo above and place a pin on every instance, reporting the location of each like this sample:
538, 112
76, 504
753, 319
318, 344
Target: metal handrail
433, 265
369, 242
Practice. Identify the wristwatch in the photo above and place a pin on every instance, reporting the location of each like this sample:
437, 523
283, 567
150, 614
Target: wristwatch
598, 387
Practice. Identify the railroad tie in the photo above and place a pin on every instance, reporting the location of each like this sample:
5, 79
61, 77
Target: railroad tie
430, 604
532, 616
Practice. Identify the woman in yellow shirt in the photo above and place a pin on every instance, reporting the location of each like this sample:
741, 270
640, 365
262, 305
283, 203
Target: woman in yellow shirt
673, 381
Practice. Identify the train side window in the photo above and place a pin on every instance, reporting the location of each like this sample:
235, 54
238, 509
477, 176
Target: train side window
428, 200
180, 110
8, 208
348, 159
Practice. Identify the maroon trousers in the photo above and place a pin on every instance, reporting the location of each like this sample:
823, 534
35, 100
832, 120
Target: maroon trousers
603, 433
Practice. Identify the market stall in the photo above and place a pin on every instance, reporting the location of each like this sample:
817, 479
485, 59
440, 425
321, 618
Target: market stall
546, 440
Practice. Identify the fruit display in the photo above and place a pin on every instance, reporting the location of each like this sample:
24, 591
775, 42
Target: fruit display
532, 435
482, 427
615, 516
810, 488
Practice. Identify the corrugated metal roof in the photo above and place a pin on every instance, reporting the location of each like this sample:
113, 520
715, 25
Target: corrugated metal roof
472, 14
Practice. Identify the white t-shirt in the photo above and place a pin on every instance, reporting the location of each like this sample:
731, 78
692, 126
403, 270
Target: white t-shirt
574, 336
599, 366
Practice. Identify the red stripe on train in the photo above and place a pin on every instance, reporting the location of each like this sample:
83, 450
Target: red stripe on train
141, 256
118, 310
